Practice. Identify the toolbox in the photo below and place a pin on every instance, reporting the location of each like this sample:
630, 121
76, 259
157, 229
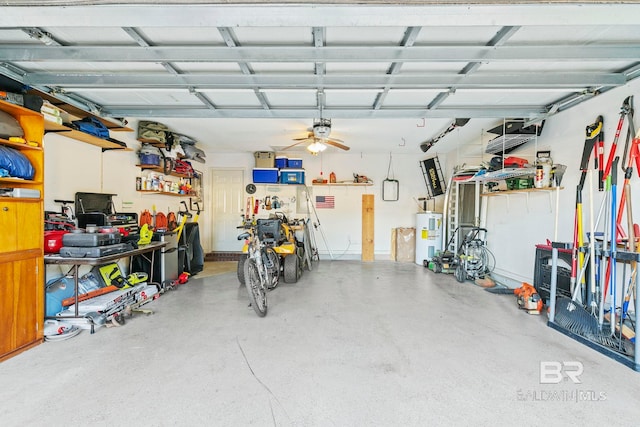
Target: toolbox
93, 252
91, 239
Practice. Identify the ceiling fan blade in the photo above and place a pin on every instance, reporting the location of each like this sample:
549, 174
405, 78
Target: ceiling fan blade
306, 138
335, 143
297, 143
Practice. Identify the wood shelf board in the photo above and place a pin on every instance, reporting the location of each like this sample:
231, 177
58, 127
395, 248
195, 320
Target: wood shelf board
164, 193
151, 142
17, 110
159, 169
524, 190
20, 181
82, 136
345, 184
19, 145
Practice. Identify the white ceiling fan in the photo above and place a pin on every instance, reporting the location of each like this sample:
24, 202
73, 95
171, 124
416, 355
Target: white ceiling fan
319, 137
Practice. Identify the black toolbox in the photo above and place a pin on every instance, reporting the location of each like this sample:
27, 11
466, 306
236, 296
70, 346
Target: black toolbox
90, 239
94, 252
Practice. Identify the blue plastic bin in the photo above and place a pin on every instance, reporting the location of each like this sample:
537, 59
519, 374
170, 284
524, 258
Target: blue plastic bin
265, 175
281, 162
292, 176
294, 163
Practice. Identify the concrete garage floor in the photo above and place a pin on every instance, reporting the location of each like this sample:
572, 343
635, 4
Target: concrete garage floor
351, 344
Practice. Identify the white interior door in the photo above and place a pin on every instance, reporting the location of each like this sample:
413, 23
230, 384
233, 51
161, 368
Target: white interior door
228, 204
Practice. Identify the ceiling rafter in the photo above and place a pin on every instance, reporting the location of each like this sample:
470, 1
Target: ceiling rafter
498, 40
137, 35
231, 41
408, 40
139, 38
342, 80
318, 42
321, 15
344, 113
297, 54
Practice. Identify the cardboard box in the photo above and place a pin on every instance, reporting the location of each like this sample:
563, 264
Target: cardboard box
403, 244
265, 159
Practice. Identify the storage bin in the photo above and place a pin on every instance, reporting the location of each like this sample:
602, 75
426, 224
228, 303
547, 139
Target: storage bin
265, 175
56, 292
265, 159
150, 159
294, 163
292, 176
281, 161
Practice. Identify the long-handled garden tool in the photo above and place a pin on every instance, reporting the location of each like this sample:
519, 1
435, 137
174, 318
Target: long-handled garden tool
577, 260
618, 232
612, 253
627, 108
629, 158
632, 247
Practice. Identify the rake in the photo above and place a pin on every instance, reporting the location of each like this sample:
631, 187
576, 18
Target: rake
573, 317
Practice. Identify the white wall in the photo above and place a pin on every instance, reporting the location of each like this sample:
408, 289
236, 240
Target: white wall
516, 223
342, 226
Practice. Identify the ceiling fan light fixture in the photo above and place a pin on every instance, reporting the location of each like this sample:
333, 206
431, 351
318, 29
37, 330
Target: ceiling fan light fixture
316, 147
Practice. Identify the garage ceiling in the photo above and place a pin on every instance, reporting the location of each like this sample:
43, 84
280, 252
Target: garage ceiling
390, 76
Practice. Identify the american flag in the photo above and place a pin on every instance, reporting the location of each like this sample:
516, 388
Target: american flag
325, 202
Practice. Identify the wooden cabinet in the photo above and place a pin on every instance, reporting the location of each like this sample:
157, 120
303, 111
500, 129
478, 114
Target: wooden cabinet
20, 220
21, 303
21, 244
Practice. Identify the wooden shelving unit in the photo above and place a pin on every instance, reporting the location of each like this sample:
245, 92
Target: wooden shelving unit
22, 243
